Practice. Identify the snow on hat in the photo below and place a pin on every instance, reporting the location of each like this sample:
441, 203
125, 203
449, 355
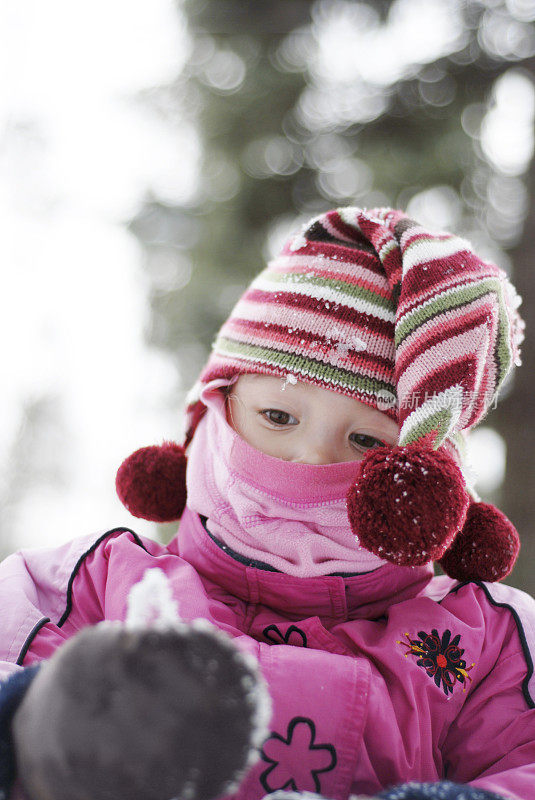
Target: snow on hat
322, 311
412, 323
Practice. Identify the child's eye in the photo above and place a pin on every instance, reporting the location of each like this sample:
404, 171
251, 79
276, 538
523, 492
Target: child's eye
278, 417
362, 440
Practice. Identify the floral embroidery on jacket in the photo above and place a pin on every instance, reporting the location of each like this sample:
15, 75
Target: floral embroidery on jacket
297, 749
441, 657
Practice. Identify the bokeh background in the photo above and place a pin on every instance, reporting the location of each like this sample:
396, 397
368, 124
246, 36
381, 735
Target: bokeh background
154, 153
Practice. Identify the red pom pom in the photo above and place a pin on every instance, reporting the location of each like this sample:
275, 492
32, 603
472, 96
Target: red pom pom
485, 549
151, 483
408, 503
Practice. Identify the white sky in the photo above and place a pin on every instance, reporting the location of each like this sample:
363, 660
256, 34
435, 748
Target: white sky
78, 154
507, 131
355, 45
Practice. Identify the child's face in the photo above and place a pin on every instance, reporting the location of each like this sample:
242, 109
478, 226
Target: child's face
303, 423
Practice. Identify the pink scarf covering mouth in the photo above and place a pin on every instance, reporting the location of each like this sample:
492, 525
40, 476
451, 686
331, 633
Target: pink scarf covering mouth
291, 516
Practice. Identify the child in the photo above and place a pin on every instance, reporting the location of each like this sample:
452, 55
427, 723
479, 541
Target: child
324, 448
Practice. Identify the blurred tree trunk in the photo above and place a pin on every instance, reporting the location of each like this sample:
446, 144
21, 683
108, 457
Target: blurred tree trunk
268, 18
515, 416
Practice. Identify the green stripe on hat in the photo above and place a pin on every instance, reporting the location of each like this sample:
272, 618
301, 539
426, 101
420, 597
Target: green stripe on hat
456, 298
448, 299
437, 421
302, 365
340, 287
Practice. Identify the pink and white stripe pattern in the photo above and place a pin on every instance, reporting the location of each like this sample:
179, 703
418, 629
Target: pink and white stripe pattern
369, 304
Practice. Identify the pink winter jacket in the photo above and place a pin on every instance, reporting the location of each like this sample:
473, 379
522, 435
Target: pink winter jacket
376, 679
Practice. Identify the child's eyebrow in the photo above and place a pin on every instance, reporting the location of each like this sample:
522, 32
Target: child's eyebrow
278, 401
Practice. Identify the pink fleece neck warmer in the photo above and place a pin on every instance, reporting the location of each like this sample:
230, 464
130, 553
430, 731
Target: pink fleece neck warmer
288, 515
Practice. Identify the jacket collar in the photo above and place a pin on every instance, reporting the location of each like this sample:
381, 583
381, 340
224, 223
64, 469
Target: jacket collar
342, 596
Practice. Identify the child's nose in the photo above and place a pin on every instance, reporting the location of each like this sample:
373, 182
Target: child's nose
320, 451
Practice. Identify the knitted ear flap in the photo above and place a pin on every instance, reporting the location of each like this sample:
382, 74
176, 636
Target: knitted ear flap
457, 335
151, 483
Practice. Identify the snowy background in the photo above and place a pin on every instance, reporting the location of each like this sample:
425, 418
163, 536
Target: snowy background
79, 153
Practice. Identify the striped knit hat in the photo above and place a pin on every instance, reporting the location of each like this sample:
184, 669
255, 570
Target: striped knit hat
412, 323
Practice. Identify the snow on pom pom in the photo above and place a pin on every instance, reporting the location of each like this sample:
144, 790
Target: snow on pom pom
151, 483
485, 549
408, 503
